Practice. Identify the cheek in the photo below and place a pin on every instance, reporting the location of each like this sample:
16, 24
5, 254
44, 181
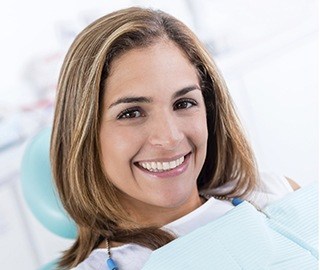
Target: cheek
199, 130
201, 141
118, 147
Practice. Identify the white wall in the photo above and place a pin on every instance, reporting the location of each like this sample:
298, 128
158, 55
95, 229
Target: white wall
267, 51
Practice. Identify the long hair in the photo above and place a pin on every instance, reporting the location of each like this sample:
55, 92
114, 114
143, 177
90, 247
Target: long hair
86, 193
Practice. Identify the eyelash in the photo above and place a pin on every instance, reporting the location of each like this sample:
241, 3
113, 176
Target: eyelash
122, 115
130, 110
185, 100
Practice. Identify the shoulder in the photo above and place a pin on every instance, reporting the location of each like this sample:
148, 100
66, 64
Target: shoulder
295, 186
127, 256
272, 187
274, 183
96, 260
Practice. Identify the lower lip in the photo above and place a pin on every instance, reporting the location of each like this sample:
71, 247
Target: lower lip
171, 173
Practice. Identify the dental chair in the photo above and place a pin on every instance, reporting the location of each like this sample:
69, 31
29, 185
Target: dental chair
39, 192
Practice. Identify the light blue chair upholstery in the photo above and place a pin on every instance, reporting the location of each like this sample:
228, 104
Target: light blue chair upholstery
39, 192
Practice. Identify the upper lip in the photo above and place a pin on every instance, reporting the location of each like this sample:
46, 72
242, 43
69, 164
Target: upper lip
164, 159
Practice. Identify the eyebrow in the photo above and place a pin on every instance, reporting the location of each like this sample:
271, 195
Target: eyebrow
185, 90
137, 99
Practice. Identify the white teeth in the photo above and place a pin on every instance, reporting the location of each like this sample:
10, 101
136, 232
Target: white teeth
147, 166
153, 165
161, 166
166, 165
172, 164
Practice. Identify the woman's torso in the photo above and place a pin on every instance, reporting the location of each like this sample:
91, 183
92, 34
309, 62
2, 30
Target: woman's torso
133, 256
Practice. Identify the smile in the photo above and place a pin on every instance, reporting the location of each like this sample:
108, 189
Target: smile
160, 166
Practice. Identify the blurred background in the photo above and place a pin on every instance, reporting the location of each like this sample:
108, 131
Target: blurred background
267, 51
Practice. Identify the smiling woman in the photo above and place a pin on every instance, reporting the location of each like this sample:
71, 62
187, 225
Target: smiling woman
143, 125
149, 149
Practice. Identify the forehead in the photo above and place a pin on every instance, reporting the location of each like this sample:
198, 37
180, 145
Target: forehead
162, 65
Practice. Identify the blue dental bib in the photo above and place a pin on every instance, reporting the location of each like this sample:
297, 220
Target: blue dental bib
283, 236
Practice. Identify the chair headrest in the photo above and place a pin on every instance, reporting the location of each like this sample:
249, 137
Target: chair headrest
38, 187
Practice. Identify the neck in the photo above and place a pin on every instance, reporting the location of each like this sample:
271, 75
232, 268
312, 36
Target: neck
149, 215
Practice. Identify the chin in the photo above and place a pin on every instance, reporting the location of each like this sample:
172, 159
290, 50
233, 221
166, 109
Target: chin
173, 200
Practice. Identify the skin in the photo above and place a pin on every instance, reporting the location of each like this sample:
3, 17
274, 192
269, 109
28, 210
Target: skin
295, 186
166, 122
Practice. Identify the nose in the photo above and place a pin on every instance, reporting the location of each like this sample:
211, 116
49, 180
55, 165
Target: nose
166, 131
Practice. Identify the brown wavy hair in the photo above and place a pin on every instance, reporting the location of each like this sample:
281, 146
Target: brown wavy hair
86, 193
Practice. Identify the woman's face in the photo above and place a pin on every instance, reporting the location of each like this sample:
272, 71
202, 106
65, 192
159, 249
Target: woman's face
154, 133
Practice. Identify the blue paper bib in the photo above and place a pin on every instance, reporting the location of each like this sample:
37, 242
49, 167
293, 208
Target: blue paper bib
285, 236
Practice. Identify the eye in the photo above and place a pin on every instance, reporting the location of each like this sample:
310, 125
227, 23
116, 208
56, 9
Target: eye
131, 113
184, 104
